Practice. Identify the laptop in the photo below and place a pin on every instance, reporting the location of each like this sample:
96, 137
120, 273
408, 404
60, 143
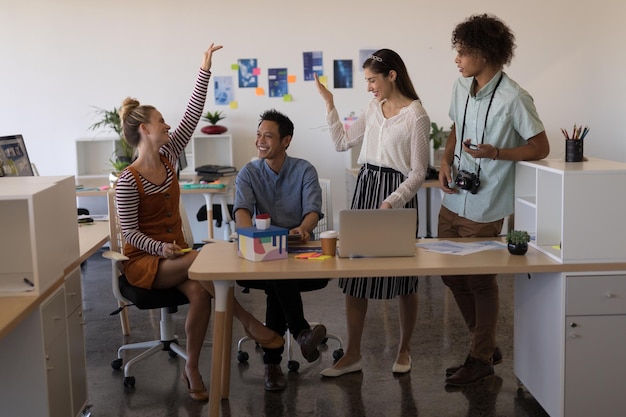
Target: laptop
377, 233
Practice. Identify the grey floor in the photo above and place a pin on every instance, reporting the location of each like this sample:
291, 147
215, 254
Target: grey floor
439, 341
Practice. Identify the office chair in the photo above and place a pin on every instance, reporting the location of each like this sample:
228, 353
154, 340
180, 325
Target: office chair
325, 223
127, 295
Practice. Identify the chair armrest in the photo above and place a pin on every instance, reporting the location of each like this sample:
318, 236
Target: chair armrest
114, 256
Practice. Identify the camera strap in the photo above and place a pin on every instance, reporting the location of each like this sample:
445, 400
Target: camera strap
493, 93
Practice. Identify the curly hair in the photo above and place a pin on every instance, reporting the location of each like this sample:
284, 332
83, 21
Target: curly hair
487, 36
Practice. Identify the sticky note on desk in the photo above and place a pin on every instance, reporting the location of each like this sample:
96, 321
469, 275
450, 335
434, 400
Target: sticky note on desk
313, 256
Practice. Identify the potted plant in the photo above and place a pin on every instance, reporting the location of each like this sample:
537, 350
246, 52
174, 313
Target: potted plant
438, 137
517, 241
123, 155
213, 118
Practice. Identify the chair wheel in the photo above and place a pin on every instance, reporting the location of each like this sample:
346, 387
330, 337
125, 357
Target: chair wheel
116, 364
172, 354
324, 340
337, 354
129, 381
293, 366
242, 356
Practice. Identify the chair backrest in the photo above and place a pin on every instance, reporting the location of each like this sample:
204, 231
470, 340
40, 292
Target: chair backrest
326, 222
116, 244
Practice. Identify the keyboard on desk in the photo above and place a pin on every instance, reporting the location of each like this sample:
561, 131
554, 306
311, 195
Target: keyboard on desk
209, 177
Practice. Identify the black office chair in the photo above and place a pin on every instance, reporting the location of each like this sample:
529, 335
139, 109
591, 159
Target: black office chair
127, 295
305, 286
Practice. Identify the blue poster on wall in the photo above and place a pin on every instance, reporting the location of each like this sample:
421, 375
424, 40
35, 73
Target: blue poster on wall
224, 93
343, 73
312, 62
247, 73
277, 82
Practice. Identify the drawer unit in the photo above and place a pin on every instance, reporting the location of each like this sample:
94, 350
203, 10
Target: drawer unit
73, 291
53, 316
595, 294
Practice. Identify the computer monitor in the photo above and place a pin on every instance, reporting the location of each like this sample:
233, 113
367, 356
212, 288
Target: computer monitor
14, 161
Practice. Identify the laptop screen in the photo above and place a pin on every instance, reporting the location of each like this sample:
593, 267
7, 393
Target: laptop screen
14, 161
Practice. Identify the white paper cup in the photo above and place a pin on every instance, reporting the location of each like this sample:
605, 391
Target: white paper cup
263, 223
329, 242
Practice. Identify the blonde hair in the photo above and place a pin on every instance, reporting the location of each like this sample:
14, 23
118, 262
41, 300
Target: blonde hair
134, 114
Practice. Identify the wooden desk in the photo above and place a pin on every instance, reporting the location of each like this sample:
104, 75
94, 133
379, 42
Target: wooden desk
92, 189
218, 262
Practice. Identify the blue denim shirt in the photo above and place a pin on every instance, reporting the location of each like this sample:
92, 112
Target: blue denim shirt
287, 196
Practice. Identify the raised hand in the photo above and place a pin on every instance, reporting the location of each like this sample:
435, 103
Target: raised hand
208, 54
326, 95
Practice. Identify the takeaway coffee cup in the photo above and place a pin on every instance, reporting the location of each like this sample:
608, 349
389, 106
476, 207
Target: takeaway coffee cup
329, 242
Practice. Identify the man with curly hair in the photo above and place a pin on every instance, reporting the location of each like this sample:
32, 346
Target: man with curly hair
495, 124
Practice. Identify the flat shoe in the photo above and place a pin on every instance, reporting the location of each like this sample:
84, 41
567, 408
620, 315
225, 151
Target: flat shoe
335, 372
195, 394
274, 342
401, 369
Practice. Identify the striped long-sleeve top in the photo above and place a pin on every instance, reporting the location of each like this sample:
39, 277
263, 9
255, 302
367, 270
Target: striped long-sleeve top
127, 193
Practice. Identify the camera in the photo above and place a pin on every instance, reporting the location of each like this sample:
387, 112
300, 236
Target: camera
466, 180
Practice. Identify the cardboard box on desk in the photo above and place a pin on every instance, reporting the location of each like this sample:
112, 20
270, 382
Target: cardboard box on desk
262, 245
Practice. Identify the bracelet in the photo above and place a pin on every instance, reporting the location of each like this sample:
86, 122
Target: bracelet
497, 154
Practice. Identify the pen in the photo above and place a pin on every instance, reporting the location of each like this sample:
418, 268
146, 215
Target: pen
29, 282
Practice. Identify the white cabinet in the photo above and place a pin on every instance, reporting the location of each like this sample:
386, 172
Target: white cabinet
570, 328
76, 341
40, 233
43, 350
569, 341
566, 205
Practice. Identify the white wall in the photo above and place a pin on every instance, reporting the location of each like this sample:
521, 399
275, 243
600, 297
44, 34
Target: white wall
61, 57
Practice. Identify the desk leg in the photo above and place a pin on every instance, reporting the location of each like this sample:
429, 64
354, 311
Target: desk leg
222, 290
228, 345
208, 199
428, 213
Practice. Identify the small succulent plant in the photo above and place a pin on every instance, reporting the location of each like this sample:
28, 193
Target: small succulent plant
518, 237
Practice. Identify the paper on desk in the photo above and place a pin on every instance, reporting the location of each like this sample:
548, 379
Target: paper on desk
460, 248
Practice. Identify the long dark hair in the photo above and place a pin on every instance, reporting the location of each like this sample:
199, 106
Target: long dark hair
385, 60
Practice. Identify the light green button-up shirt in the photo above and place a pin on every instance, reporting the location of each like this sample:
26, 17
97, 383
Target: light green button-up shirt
512, 120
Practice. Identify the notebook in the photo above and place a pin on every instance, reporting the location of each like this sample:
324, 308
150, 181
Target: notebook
377, 233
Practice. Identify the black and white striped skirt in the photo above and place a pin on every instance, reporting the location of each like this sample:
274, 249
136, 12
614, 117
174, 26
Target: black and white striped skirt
373, 185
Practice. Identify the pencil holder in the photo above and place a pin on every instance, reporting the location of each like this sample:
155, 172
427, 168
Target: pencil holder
573, 150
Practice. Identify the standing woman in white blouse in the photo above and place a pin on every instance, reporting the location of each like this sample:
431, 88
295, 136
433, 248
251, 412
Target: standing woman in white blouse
394, 132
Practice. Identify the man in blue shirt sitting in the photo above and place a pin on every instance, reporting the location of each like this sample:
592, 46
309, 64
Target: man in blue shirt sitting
288, 190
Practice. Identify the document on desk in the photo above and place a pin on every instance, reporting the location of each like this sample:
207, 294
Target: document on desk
460, 248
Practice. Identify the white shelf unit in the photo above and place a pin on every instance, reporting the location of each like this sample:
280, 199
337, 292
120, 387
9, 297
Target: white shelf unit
208, 149
93, 155
40, 232
567, 205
